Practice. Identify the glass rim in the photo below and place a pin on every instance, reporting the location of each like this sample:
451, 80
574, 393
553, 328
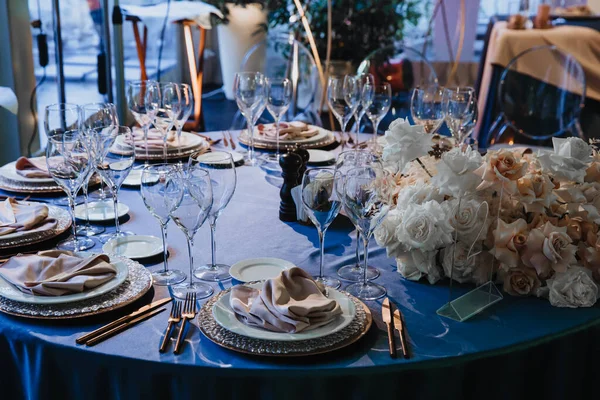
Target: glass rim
62, 106
102, 104
140, 82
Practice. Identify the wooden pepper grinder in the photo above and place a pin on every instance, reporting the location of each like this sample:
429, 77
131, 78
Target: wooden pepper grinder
290, 167
304, 155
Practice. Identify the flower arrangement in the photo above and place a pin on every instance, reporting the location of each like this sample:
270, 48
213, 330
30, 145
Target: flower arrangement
529, 219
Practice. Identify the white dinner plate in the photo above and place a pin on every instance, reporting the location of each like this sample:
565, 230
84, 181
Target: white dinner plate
10, 292
258, 269
135, 247
226, 317
320, 157
9, 172
101, 211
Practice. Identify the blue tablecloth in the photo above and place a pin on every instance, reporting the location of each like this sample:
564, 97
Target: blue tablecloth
518, 347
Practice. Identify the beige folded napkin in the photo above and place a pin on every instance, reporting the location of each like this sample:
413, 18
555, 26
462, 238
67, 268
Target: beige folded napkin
56, 273
287, 130
32, 167
290, 303
18, 216
155, 139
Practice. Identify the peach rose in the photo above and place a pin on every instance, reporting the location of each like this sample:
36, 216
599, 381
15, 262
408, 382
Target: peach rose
590, 258
548, 250
539, 220
521, 281
509, 239
579, 229
536, 192
501, 167
592, 174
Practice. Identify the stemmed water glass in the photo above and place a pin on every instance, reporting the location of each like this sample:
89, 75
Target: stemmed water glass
166, 107
322, 204
345, 162
138, 98
352, 95
336, 99
279, 97
186, 106
250, 95
68, 163
366, 207
113, 156
379, 105
223, 177
460, 107
426, 107
161, 195
189, 216
366, 83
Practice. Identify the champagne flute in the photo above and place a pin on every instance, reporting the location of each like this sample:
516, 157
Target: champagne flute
279, 97
186, 105
426, 107
138, 98
460, 106
379, 105
161, 195
345, 162
166, 107
68, 162
322, 204
223, 177
189, 216
352, 95
366, 207
250, 96
336, 100
366, 82
113, 157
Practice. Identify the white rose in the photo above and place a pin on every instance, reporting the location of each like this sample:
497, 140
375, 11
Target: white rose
424, 227
572, 147
455, 175
568, 162
573, 288
404, 142
474, 267
413, 265
418, 193
469, 221
385, 234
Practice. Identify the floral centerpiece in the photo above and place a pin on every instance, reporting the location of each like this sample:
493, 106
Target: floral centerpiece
530, 220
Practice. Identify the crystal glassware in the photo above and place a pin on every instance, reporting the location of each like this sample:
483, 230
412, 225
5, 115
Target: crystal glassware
366, 82
379, 105
322, 204
189, 216
186, 106
279, 97
223, 178
88, 229
166, 107
460, 108
366, 207
345, 162
68, 162
113, 156
161, 195
426, 107
250, 95
138, 98
352, 95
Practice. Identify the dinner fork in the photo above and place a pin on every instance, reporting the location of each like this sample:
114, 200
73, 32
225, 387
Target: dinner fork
174, 319
189, 312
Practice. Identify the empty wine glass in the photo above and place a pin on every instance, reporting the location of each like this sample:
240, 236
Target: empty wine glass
366, 207
336, 99
88, 229
279, 97
379, 105
322, 204
426, 107
138, 98
166, 107
352, 94
68, 163
189, 216
113, 158
186, 106
460, 106
161, 195
223, 178
345, 162
366, 83
250, 96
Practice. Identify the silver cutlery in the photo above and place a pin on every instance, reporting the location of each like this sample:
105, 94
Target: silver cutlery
174, 319
386, 314
189, 312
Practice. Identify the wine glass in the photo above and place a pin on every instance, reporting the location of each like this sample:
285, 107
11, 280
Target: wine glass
336, 100
189, 216
352, 94
426, 107
460, 106
68, 162
345, 162
113, 157
223, 178
186, 106
366, 207
379, 105
322, 204
161, 195
366, 82
279, 97
138, 98
166, 107
250, 96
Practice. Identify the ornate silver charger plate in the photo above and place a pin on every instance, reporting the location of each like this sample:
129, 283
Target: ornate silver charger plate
138, 282
36, 188
268, 145
232, 341
171, 155
63, 222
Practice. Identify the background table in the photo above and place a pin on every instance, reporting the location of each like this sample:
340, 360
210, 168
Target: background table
518, 347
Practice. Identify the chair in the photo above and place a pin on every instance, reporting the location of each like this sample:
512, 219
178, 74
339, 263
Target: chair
404, 68
281, 56
541, 95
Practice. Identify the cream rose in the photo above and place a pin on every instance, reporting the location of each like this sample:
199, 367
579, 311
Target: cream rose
469, 220
474, 267
509, 240
590, 258
592, 173
403, 143
455, 175
415, 264
424, 227
573, 288
549, 249
536, 192
521, 281
501, 168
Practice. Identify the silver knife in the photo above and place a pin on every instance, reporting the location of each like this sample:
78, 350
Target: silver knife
399, 325
386, 314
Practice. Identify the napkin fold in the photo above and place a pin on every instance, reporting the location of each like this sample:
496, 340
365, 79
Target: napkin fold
18, 216
57, 273
32, 167
155, 139
292, 302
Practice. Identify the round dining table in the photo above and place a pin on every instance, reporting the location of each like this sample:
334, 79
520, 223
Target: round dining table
519, 348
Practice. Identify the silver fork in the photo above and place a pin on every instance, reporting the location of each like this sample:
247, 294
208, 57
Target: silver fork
174, 319
189, 312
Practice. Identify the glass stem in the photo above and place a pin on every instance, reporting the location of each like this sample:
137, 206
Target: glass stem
357, 249
322, 248
165, 147
213, 243
85, 200
376, 126
366, 257
251, 135
74, 222
146, 128
179, 129
116, 205
190, 243
277, 136
163, 230
357, 117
